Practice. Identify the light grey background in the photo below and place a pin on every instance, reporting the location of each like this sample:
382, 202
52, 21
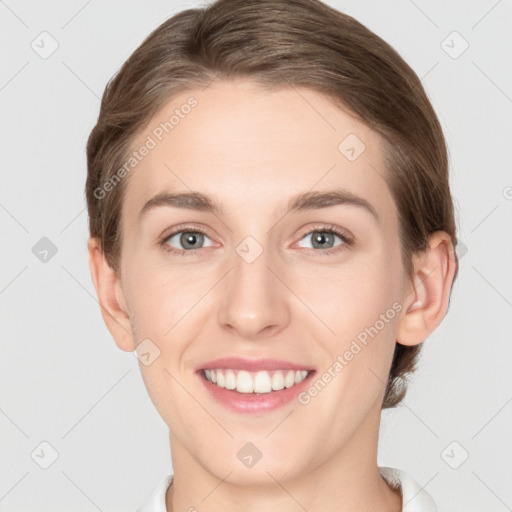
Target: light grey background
63, 381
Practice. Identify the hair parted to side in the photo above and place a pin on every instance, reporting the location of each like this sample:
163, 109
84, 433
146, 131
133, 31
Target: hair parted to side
277, 44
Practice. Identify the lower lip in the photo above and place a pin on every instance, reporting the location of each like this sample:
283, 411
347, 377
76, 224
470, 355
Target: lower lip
254, 402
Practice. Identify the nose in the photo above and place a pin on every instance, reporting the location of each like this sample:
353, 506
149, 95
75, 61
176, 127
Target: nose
253, 304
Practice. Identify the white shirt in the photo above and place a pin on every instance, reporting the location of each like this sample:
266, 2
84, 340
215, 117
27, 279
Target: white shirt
414, 497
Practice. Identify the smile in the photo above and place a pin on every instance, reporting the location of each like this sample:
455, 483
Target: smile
263, 381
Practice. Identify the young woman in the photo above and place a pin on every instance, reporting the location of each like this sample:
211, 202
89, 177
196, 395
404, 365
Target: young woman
272, 231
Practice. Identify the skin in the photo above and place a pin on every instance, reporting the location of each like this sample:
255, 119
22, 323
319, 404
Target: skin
252, 150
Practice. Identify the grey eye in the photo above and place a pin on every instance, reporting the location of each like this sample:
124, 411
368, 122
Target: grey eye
322, 239
188, 240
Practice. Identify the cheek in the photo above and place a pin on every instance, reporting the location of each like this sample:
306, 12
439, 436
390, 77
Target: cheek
162, 306
162, 295
351, 296
359, 304
359, 355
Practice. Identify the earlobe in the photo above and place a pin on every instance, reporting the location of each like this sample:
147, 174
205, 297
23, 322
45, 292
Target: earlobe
110, 297
426, 302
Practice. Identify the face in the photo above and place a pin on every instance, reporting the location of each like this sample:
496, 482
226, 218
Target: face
288, 285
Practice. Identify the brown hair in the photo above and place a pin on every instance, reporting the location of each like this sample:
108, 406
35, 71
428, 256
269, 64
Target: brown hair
276, 43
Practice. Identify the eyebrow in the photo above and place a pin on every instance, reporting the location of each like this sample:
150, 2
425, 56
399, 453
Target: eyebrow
305, 201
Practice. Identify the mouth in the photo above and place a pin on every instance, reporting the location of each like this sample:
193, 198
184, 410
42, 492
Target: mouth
259, 382
254, 386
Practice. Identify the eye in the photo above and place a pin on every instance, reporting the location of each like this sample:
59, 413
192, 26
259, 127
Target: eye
188, 241
324, 238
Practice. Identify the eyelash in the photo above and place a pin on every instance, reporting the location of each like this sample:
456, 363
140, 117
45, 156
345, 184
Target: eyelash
324, 228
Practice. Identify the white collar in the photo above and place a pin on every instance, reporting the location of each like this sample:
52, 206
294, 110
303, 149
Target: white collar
414, 497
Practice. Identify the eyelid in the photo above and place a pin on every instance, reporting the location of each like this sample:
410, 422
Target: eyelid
322, 226
183, 227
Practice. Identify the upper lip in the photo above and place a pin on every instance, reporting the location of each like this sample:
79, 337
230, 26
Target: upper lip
238, 363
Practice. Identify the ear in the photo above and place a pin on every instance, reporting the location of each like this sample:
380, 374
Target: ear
426, 301
111, 297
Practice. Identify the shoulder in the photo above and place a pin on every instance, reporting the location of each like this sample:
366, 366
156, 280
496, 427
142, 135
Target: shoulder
414, 497
156, 501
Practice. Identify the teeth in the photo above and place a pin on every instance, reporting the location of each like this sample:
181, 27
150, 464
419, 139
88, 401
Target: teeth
277, 381
220, 379
289, 380
255, 382
262, 383
230, 379
244, 383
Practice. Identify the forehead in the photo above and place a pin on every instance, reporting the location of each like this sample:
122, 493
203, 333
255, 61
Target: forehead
244, 145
